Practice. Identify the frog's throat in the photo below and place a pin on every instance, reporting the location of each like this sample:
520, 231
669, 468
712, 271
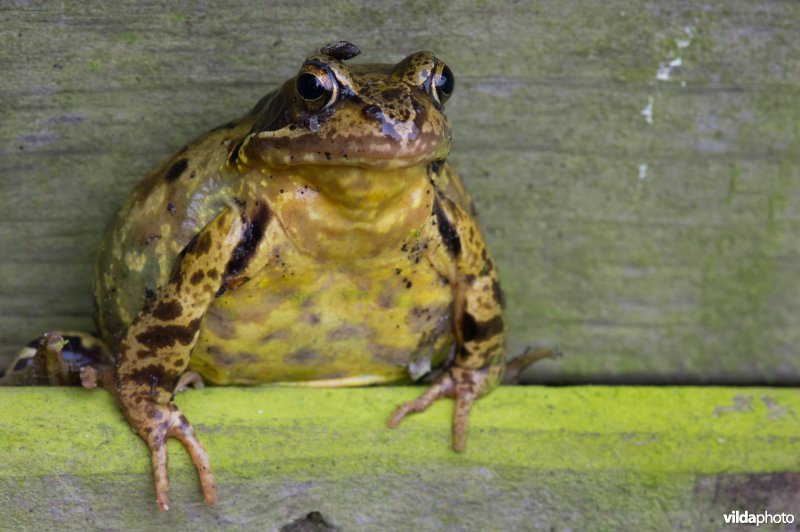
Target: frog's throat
357, 189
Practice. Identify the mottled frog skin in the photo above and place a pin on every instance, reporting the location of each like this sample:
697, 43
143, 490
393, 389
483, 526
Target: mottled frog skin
321, 238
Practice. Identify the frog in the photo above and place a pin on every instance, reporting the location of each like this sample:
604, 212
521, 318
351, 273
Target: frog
323, 238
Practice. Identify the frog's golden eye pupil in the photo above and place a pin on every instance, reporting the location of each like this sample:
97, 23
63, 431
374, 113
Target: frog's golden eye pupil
310, 87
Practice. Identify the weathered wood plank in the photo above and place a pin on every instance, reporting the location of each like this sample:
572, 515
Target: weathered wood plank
644, 216
575, 457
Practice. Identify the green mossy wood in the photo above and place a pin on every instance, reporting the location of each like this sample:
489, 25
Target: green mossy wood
585, 458
635, 163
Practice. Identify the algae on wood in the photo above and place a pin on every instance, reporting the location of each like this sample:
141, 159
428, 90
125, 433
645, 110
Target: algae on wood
635, 163
580, 458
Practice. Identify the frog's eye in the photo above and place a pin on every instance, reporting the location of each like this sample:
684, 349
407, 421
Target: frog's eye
443, 82
316, 87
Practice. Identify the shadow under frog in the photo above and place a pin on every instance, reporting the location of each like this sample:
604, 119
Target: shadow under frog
321, 238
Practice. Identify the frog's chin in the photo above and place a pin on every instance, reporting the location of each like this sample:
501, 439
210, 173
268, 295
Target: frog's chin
359, 188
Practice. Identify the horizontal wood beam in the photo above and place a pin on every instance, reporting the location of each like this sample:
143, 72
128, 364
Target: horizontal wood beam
580, 457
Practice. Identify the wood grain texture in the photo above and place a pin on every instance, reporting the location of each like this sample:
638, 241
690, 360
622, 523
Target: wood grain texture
664, 251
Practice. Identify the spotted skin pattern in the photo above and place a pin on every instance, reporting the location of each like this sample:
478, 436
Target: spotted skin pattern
321, 239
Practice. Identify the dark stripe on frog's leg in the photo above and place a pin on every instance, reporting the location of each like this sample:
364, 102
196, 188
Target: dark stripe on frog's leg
473, 330
479, 318
446, 230
254, 227
255, 219
157, 346
499, 296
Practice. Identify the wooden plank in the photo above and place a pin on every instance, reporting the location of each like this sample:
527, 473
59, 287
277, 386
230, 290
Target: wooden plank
644, 216
571, 457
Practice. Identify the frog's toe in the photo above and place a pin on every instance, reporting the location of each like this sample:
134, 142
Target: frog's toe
190, 378
166, 421
92, 376
185, 434
89, 377
439, 389
462, 384
532, 354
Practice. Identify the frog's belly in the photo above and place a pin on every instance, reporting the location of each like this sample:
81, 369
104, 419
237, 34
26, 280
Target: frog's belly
365, 323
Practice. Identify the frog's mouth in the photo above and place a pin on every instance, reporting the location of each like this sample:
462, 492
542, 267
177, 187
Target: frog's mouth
279, 152
362, 137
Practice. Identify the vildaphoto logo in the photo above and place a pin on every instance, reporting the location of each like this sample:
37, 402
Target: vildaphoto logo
738, 517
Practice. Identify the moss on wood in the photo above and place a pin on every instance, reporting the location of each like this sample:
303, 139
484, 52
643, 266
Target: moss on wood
579, 457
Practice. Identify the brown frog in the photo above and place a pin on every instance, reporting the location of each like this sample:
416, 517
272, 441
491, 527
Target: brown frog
321, 238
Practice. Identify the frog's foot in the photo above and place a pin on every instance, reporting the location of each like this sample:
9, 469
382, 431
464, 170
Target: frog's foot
61, 359
40, 363
189, 378
90, 378
532, 354
94, 376
159, 423
462, 384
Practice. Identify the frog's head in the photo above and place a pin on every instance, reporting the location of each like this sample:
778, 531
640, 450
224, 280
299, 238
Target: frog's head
378, 116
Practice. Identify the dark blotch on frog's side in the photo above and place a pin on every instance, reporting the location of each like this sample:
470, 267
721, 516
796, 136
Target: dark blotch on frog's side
159, 336
305, 356
433, 170
176, 169
348, 330
227, 359
448, 232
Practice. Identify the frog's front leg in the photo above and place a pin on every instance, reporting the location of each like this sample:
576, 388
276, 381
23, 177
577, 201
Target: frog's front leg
157, 345
457, 251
